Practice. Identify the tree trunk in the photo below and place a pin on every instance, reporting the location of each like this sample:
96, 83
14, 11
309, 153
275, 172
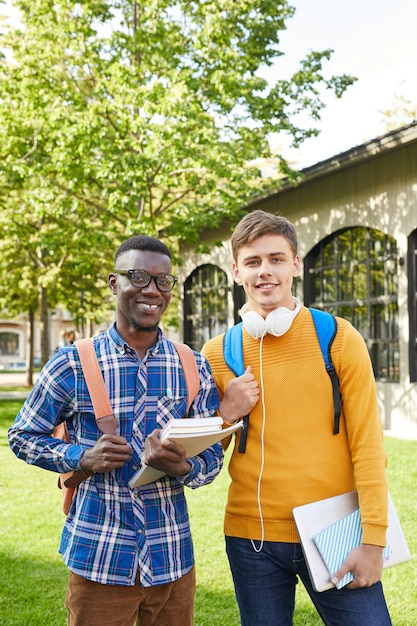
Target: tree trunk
45, 341
30, 332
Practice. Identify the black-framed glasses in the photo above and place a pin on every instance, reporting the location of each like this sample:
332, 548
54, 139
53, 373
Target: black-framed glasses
142, 278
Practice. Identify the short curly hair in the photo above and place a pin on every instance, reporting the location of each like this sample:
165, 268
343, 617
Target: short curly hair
142, 242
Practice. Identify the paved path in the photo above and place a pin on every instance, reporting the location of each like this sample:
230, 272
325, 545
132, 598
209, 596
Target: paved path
16, 379
13, 395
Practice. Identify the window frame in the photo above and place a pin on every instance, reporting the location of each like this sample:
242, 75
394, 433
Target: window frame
207, 283
359, 259
412, 304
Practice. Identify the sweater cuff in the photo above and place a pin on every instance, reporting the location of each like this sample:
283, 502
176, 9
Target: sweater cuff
374, 535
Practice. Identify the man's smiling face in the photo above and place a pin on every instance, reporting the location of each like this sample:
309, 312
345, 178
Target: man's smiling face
140, 309
266, 268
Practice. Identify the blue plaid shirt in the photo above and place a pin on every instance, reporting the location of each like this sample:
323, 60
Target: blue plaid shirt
112, 530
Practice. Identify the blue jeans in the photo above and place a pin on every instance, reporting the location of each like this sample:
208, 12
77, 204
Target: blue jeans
265, 588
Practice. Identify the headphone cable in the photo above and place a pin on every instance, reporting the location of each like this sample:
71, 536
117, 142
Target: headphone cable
261, 471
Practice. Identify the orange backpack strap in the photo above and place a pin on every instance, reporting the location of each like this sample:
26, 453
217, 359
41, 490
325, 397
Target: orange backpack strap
103, 411
96, 387
189, 365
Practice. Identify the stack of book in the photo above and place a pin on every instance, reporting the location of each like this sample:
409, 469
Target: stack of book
194, 434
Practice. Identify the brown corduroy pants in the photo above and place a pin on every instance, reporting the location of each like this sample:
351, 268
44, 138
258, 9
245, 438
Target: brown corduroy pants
89, 603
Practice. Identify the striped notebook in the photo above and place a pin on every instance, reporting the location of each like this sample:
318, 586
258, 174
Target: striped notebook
335, 542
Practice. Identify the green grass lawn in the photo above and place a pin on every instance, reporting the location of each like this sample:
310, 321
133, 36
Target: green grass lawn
33, 577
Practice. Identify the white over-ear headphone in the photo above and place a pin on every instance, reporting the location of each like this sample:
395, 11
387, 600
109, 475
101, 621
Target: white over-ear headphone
276, 323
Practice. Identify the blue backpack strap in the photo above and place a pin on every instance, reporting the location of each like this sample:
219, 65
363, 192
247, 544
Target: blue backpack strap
233, 357
233, 349
326, 329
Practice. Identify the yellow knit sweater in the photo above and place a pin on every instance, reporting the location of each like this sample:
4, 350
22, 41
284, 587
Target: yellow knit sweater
291, 449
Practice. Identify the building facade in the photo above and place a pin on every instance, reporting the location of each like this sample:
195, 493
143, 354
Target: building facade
15, 332
356, 218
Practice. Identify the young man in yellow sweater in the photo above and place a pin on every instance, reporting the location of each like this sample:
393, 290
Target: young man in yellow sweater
292, 456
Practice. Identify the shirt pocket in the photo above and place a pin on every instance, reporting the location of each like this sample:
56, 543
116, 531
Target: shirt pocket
158, 412
170, 408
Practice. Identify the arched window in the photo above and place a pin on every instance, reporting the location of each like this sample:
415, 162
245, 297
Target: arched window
9, 344
353, 273
205, 305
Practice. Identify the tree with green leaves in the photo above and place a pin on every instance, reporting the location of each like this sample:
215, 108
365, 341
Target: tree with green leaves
138, 116
402, 111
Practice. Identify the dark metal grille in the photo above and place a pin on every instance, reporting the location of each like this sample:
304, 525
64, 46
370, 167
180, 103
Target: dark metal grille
354, 274
205, 305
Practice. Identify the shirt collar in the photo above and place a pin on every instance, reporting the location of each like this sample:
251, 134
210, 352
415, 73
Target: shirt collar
123, 347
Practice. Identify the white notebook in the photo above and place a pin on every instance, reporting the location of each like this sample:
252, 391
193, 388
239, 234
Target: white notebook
196, 435
325, 523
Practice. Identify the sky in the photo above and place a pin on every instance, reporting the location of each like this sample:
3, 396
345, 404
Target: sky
374, 40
